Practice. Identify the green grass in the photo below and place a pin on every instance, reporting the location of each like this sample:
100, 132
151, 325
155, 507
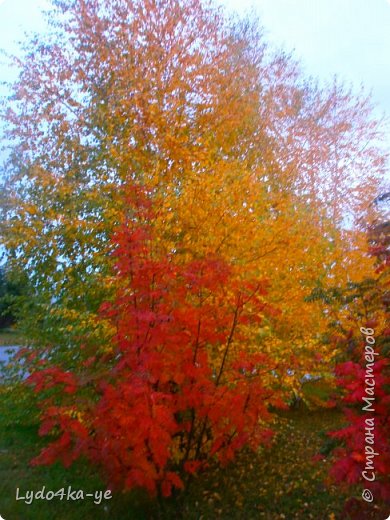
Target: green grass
18, 444
281, 482
10, 337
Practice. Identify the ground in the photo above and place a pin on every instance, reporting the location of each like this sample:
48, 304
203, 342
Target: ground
285, 481
281, 482
9, 337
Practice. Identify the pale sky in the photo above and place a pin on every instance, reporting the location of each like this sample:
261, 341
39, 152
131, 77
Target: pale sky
350, 38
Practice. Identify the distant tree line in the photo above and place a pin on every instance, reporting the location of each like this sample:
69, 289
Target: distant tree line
12, 288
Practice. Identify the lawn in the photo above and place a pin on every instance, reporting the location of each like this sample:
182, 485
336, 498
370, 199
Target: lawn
10, 337
282, 482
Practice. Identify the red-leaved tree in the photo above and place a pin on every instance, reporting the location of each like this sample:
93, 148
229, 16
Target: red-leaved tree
364, 381
183, 381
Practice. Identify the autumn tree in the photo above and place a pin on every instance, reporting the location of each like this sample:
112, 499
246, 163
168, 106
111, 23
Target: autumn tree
359, 330
242, 158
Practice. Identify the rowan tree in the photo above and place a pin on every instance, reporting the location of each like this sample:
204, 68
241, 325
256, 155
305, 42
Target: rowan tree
182, 383
360, 332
